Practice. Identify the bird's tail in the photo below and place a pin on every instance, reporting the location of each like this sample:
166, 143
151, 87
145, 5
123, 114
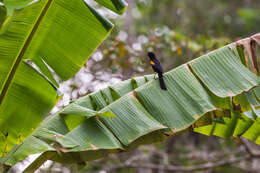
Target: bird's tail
162, 83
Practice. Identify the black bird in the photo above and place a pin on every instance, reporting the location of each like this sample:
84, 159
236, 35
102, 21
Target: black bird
156, 65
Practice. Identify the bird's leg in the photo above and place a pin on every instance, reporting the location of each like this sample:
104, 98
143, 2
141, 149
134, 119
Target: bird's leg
154, 77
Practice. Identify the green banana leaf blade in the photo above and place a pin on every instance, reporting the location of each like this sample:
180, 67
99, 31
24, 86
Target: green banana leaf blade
210, 103
54, 36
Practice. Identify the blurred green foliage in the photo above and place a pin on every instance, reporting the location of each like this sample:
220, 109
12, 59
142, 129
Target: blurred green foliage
202, 17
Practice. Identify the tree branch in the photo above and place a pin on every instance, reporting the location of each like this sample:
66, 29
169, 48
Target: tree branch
181, 168
248, 147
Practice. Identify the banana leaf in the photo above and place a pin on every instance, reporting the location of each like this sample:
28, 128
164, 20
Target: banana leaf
37, 40
208, 95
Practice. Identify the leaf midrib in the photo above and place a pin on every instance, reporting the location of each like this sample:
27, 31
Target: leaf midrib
23, 50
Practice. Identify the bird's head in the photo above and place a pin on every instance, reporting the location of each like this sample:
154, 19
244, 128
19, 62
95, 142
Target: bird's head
151, 55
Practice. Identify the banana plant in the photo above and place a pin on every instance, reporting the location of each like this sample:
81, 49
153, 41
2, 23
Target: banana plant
215, 94
39, 40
